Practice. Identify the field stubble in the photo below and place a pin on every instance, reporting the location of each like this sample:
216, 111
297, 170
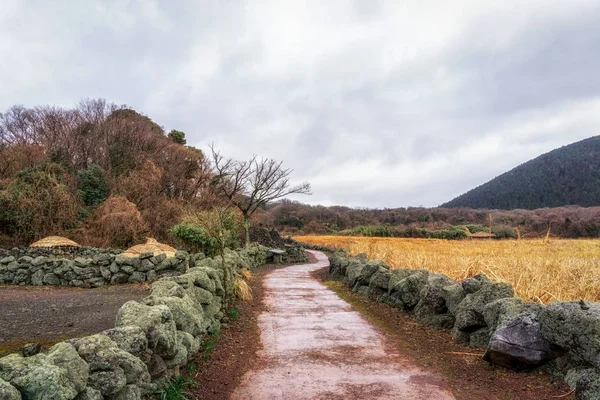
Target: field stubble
539, 270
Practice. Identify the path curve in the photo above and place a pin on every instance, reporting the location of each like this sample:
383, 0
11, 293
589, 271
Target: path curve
316, 347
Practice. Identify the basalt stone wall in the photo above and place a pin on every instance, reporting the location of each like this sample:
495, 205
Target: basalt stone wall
326, 249
563, 337
151, 341
86, 267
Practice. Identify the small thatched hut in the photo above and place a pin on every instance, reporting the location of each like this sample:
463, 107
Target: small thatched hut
54, 241
151, 246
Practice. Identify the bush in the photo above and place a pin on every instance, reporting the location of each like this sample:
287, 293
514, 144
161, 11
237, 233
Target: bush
504, 232
204, 230
116, 223
38, 203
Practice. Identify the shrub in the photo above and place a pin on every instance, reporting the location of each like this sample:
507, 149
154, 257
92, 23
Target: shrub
204, 230
116, 223
38, 203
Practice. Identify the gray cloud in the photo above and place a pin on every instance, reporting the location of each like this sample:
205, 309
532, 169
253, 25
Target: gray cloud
377, 104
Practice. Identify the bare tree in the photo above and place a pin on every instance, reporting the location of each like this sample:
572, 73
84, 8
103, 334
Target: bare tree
251, 184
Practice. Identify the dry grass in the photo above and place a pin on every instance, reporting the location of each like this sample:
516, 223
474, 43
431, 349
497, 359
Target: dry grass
540, 270
242, 290
247, 275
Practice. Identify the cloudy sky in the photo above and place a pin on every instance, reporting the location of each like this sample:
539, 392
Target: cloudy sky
375, 103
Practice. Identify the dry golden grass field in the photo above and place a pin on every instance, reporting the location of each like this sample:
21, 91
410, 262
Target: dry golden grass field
539, 270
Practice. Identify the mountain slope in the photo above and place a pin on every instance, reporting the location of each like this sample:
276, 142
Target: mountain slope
569, 175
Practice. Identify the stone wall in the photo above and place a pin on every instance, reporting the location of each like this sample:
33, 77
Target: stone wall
151, 341
564, 337
85, 267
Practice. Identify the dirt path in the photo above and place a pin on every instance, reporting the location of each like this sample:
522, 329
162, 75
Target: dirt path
49, 314
316, 347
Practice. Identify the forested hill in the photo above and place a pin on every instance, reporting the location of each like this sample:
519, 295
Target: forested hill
569, 175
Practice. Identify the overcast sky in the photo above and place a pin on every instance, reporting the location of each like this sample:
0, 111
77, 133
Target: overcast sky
375, 103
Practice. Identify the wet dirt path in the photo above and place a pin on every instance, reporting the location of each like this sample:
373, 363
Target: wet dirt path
316, 347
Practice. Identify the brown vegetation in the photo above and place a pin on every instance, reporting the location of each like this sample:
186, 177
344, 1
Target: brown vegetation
60, 165
540, 270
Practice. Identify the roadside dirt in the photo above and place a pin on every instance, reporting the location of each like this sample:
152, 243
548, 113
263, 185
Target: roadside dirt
50, 314
467, 375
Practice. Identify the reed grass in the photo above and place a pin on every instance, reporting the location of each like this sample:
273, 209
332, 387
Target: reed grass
542, 270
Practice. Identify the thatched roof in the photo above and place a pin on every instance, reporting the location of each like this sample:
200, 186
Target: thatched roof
151, 246
55, 241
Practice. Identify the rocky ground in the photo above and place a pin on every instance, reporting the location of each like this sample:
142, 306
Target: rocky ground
50, 314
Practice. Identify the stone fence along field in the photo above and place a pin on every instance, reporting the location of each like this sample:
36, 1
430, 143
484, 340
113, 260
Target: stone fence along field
87, 267
563, 336
151, 339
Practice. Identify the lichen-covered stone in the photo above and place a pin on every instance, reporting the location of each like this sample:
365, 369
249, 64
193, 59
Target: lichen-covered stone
90, 393
587, 386
409, 289
453, 294
37, 378
108, 382
180, 358
474, 284
191, 344
65, 356
480, 338
469, 312
156, 321
131, 339
137, 277
432, 301
119, 278
51, 279
8, 392
518, 343
380, 279
187, 314
30, 349
574, 327
129, 392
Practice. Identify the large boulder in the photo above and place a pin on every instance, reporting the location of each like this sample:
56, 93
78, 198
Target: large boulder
574, 326
156, 321
37, 378
518, 343
8, 392
469, 312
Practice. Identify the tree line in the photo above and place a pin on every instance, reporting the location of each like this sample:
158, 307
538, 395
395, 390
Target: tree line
106, 175
296, 218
